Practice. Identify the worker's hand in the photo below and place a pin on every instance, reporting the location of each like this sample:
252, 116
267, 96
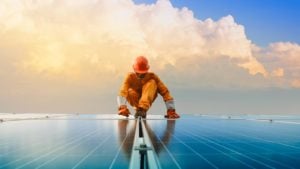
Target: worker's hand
171, 114
123, 110
122, 107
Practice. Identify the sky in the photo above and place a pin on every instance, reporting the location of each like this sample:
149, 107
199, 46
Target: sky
216, 57
266, 21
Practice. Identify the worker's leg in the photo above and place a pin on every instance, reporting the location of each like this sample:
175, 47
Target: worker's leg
133, 97
149, 93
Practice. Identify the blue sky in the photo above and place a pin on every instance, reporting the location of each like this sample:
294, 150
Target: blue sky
265, 21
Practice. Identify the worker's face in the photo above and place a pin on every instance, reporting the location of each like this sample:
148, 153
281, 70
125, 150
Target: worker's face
140, 75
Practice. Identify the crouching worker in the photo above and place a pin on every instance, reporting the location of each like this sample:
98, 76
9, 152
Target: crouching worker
140, 89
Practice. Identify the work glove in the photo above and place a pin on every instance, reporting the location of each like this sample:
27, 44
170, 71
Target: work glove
124, 111
140, 112
171, 112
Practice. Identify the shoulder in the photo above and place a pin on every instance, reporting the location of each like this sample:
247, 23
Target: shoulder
129, 75
153, 75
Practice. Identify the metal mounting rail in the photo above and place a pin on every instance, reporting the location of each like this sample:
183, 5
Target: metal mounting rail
143, 154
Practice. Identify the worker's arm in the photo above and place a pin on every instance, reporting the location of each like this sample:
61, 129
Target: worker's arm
162, 89
165, 93
124, 91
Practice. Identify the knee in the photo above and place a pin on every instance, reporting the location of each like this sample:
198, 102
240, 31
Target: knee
132, 92
150, 86
133, 95
151, 82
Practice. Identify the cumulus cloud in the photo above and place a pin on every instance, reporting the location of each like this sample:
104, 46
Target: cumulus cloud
64, 37
91, 44
283, 60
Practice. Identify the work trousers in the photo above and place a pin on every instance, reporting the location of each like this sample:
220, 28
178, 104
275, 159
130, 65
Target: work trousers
145, 98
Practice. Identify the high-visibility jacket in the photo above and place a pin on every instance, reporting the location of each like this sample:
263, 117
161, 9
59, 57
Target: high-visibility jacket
133, 82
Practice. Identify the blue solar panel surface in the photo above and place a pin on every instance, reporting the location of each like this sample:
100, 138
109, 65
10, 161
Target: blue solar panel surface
86, 141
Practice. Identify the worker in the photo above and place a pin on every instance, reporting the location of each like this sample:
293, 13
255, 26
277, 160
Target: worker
140, 89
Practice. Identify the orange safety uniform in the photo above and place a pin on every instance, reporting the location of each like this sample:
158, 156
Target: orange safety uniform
141, 92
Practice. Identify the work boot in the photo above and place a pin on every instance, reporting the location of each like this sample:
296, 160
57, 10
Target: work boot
124, 111
171, 114
140, 112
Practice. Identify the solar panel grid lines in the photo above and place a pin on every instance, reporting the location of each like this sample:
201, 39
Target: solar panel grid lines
90, 153
245, 165
259, 156
210, 132
261, 139
86, 138
256, 132
188, 142
250, 151
239, 133
225, 154
160, 143
291, 158
36, 143
117, 154
170, 154
21, 130
239, 130
249, 142
187, 154
57, 148
68, 156
194, 151
40, 150
284, 133
270, 151
233, 151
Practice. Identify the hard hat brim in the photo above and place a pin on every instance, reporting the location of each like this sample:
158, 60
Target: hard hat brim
140, 71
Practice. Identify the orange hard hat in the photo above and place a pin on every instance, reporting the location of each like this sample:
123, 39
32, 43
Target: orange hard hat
141, 65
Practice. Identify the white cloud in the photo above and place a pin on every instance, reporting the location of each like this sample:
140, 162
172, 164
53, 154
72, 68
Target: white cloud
279, 72
283, 60
91, 44
61, 32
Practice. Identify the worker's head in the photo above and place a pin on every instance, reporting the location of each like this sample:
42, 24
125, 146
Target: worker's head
140, 65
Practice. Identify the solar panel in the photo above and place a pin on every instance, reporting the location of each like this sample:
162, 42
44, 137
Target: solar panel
108, 141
